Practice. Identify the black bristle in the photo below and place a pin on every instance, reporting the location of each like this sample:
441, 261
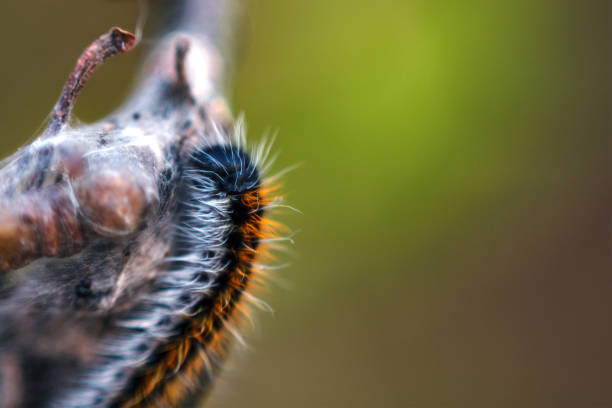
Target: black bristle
234, 172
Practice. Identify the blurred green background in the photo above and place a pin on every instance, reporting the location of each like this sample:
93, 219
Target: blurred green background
455, 243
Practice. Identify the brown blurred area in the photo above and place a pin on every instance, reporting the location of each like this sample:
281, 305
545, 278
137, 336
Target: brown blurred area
455, 243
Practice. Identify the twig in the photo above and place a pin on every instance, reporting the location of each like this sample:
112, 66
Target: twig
116, 41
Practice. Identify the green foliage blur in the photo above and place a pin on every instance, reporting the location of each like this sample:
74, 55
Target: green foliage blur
454, 246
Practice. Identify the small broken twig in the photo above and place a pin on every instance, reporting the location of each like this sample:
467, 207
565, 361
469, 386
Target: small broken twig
115, 42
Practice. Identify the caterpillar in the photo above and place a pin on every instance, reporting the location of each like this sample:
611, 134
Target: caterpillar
173, 343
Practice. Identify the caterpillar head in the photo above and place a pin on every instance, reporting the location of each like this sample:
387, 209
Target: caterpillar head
229, 168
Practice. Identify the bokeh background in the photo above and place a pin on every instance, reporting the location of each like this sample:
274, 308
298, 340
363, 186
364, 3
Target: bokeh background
455, 243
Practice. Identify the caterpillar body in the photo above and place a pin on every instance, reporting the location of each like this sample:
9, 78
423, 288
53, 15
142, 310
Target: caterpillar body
166, 351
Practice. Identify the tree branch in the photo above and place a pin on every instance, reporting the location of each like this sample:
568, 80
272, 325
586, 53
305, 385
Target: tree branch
86, 212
